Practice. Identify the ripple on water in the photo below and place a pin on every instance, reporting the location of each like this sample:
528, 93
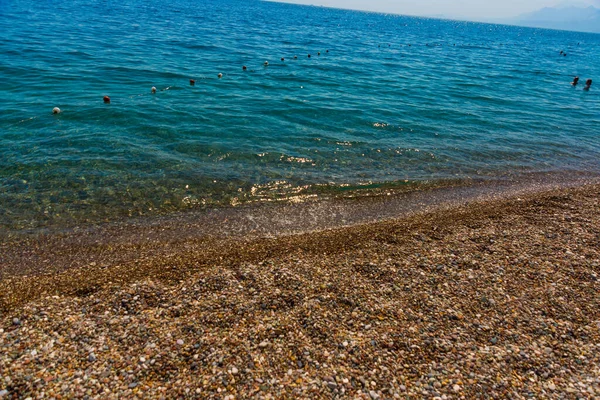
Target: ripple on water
392, 101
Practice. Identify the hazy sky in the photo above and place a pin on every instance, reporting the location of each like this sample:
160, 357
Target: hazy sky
467, 9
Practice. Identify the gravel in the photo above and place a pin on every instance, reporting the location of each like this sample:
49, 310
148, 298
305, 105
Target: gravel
496, 299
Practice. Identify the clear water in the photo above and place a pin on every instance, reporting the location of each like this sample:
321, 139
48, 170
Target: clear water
394, 100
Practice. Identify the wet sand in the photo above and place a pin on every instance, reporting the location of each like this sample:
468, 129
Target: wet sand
495, 297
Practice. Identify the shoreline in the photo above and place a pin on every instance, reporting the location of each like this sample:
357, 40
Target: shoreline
106, 244
495, 297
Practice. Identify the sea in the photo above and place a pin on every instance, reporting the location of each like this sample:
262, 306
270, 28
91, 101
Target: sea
350, 104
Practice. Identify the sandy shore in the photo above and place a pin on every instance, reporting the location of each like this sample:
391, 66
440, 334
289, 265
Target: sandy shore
495, 299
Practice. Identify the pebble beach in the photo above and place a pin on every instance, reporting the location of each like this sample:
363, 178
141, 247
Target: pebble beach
492, 299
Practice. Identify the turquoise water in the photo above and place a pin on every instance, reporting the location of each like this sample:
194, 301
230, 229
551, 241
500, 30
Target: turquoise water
390, 100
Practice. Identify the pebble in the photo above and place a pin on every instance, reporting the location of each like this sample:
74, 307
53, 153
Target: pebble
92, 357
16, 321
329, 327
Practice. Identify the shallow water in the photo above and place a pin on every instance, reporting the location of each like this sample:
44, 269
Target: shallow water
395, 101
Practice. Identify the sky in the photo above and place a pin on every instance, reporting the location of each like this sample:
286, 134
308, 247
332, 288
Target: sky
460, 9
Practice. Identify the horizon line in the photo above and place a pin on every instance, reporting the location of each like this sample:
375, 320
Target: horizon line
441, 17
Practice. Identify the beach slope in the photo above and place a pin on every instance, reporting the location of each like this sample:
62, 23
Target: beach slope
492, 299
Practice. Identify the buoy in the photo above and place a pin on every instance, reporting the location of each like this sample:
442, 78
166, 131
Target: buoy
192, 82
153, 90
244, 68
266, 63
220, 75
56, 110
107, 99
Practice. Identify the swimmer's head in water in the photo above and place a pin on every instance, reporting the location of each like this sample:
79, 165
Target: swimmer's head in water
192, 82
588, 82
282, 59
220, 75
56, 110
266, 63
153, 90
244, 68
107, 99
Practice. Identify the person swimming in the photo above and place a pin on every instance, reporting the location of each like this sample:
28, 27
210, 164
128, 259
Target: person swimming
588, 84
575, 81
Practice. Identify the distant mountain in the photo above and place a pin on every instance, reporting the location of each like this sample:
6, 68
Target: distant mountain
572, 18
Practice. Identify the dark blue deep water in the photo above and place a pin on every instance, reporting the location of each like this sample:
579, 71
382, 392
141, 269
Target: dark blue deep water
390, 100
